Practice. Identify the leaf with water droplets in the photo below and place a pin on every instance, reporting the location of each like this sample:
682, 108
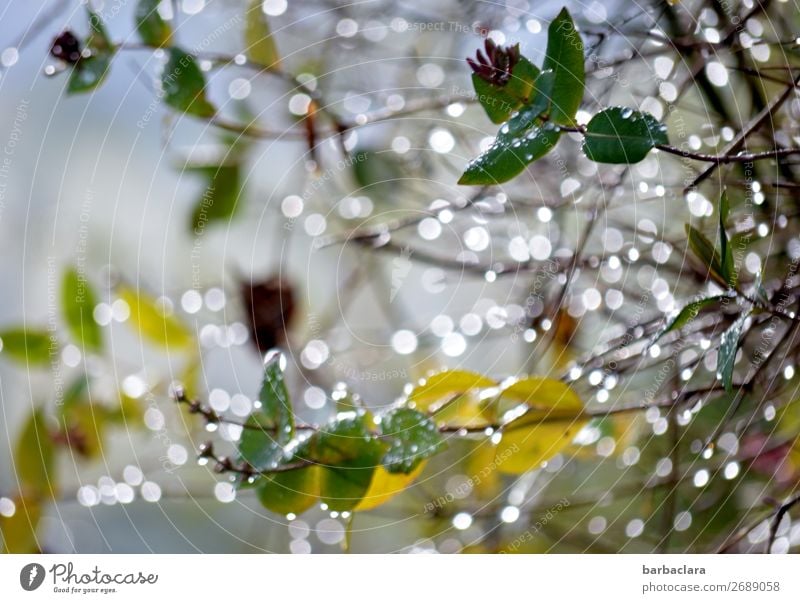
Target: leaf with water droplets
553, 415
274, 398
348, 453
292, 491
621, 135
441, 386
90, 71
385, 486
412, 438
728, 347
727, 268
687, 314
564, 56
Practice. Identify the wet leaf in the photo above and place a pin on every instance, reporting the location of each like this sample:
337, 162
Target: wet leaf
688, 313
292, 491
564, 56
621, 135
520, 141
727, 268
440, 386
728, 346
34, 457
553, 418
259, 444
152, 28
152, 324
412, 437
184, 84
348, 453
385, 486
258, 38
78, 301
90, 71
28, 346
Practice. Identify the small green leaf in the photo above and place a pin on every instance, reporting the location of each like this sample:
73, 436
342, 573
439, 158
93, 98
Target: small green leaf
258, 38
259, 444
34, 456
687, 314
152, 28
620, 135
152, 323
88, 73
292, 491
19, 531
413, 438
500, 102
705, 252
564, 56
184, 84
28, 346
727, 267
220, 199
728, 346
348, 453
78, 301
274, 398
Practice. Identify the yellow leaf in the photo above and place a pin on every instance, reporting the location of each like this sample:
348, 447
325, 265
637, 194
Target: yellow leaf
19, 531
258, 38
447, 383
152, 323
553, 418
385, 485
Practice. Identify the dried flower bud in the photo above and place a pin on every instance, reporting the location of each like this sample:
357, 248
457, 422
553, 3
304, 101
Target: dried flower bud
497, 64
66, 47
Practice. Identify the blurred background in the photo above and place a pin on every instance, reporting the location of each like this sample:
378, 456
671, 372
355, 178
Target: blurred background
371, 267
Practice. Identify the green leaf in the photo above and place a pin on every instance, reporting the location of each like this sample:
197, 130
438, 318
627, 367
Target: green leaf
220, 199
728, 270
621, 135
553, 417
348, 453
274, 398
152, 28
88, 73
688, 313
413, 438
564, 56
500, 102
184, 84
258, 38
152, 323
440, 386
34, 456
78, 301
728, 346
259, 444
28, 346
292, 491
705, 252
